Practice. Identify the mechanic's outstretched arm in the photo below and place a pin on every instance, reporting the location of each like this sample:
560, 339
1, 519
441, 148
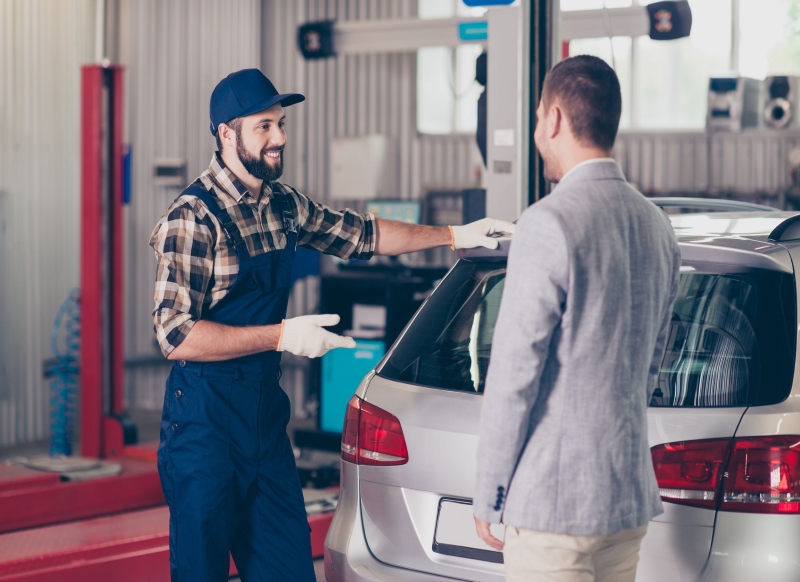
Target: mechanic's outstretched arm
208, 341
397, 238
531, 308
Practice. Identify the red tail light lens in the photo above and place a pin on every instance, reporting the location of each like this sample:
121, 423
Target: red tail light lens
753, 474
763, 475
689, 473
372, 436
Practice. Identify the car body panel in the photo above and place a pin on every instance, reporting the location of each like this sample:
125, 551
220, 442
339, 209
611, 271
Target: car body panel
347, 557
399, 504
751, 546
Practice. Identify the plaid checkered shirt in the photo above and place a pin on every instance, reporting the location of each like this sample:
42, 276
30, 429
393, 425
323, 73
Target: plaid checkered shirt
197, 265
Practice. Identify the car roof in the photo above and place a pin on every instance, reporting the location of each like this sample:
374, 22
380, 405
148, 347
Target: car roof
741, 231
757, 225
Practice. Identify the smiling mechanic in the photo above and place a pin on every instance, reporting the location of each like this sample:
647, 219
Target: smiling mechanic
225, 250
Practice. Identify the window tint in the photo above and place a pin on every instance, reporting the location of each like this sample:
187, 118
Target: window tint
731, 341
448, 344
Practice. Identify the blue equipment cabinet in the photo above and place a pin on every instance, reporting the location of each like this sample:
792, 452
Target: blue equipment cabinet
342, 371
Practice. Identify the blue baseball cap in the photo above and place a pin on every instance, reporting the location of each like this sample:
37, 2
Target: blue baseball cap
243, 93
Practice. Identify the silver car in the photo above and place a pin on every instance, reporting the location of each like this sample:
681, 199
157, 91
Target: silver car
723, 424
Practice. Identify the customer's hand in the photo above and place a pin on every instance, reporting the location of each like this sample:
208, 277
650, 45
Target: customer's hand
305, 336
476, 234
482, 527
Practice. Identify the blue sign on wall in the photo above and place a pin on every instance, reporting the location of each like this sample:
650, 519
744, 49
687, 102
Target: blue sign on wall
477, 3
473, 30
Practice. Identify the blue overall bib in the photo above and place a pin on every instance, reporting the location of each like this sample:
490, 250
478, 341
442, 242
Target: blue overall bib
225, 460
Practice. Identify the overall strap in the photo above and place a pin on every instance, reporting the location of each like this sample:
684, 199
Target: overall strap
282, 201
226, 222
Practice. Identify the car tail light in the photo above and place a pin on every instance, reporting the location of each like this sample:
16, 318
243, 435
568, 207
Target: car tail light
689, 473
763, 475
372, 436
753, 474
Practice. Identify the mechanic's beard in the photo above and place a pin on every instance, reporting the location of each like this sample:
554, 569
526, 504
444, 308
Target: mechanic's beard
258, 167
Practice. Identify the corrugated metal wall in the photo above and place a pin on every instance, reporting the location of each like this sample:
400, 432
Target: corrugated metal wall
178, 51
356, 95
750, 164
42, 46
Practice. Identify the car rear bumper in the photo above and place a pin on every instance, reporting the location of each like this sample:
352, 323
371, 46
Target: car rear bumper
347, 556
745, 547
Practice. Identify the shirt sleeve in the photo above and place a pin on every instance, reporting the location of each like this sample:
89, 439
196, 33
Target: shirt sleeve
345, 234
533, 302
183, 246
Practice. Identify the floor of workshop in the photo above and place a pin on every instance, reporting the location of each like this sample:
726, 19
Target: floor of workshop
147, 424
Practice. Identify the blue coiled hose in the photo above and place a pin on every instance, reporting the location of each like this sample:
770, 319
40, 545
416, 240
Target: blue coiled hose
63, 387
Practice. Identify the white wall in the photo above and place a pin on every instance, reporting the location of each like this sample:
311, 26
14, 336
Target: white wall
752, 164
42, 46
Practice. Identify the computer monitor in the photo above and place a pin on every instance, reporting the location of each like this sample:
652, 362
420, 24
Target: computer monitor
402, 210
342, 372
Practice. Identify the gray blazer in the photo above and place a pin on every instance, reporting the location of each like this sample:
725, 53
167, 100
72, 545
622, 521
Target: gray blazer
592, 276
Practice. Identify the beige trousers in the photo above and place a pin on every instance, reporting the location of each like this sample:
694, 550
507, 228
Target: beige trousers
533, 556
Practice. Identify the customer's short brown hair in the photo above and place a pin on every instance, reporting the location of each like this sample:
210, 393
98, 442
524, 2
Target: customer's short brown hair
587, 90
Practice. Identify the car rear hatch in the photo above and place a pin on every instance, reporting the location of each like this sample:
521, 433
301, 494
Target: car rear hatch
418, 515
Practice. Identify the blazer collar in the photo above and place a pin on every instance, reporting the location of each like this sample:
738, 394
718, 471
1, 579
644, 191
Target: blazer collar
600, 170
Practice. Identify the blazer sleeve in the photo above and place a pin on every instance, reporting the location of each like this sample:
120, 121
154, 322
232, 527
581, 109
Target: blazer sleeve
533, 302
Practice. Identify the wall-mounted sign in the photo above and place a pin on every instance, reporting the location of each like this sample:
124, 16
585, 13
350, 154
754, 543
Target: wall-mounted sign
477, 3
473, 31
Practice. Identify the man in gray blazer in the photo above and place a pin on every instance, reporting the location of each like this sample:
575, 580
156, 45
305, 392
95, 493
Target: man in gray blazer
563, 459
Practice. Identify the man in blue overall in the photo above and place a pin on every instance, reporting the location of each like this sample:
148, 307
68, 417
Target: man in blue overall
225, 250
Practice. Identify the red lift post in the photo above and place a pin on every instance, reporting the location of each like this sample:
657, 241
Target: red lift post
102, 292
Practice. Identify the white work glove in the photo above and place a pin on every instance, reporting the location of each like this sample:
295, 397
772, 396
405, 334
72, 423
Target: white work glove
476, 234
304, 336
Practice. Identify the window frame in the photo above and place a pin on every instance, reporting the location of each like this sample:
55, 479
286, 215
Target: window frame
632, 95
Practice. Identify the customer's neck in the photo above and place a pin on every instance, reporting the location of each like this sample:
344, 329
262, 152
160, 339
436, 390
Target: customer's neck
574, 156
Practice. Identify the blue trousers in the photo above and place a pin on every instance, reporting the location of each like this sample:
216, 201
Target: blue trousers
229, 478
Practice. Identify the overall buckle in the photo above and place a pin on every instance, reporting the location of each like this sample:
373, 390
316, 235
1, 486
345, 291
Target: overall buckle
289, 223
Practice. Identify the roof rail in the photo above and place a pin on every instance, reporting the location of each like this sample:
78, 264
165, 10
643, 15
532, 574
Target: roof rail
718, 204
789, 229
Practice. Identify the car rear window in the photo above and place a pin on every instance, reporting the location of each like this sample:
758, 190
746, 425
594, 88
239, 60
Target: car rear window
732, 340
449, 341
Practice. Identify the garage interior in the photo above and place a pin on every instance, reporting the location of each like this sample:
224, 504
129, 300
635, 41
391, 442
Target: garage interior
389, 127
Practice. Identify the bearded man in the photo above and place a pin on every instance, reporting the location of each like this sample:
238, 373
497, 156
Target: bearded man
225, 250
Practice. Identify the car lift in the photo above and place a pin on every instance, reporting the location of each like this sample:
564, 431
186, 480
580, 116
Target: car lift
53, 526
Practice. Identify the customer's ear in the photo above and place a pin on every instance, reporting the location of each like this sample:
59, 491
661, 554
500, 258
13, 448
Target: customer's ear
555, 121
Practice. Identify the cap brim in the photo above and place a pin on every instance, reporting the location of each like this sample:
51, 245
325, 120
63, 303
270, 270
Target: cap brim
285, 100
